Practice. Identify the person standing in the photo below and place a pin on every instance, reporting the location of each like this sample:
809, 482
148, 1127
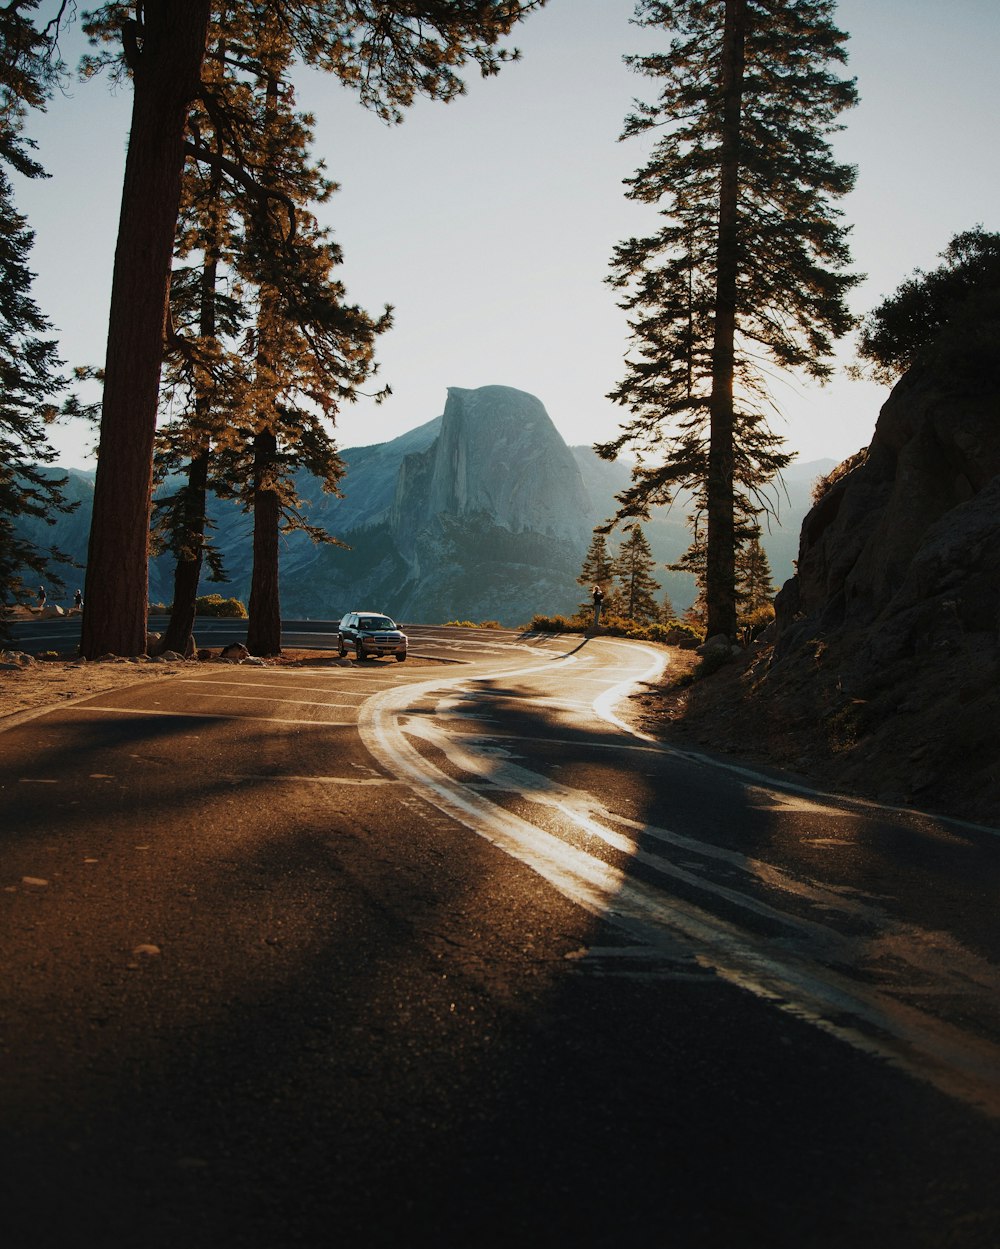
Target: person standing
78, 600
598, 595
41, 596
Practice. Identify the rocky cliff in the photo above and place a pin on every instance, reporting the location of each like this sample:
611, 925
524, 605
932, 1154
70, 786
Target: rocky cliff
489, 520
904, 545
884, 673
498, 455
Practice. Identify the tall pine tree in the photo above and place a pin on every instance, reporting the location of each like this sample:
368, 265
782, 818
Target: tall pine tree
633, 568
29, 364
748, 263
754, 579
388, 50
265, 404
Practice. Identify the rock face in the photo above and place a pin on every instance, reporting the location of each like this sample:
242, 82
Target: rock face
906, 545
488, 521
499, 456
886, 660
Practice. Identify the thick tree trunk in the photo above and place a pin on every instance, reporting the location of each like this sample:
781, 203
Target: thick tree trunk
720, 560
167, 68
264, 629
187, 572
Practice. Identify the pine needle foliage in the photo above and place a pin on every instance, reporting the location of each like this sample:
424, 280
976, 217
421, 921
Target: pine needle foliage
949, 316
747, 270
632, 568
30, 369
389, 51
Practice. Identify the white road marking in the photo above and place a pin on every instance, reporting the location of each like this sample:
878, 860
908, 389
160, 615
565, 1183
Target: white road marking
212, 715
320, 780
270, 698
242, 685
865, 1016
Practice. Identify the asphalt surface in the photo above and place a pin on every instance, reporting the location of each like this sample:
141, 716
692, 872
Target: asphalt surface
380, 953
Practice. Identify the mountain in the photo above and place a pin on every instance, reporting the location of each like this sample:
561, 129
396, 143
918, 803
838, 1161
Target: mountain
483, 513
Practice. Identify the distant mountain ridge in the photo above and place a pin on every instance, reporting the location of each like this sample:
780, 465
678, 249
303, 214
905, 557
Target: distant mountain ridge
483, 513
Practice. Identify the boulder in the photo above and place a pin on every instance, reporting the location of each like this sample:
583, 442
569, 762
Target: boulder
17, 659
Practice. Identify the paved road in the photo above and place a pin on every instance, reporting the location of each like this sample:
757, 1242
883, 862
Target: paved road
381, 952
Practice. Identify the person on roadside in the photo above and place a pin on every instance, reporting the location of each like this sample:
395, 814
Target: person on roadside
41, 596
598, 596
78, 600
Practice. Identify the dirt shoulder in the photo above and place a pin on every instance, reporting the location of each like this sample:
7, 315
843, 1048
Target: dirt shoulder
920, 732
46, 683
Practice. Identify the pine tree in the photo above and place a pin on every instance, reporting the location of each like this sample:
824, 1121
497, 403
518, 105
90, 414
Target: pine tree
312, 350
596, 569
754, 579
265, 405
203, 374
633, 569
29, 364
748, 263
667, 611
389, 52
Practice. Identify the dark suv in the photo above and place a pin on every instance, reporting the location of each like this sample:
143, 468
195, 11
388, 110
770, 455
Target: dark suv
371, 633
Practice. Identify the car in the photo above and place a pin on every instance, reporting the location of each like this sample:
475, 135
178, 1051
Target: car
371, 633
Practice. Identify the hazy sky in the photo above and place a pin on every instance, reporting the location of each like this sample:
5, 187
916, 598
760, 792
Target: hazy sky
488, 223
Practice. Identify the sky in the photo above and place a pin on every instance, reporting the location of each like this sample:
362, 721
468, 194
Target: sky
488, 223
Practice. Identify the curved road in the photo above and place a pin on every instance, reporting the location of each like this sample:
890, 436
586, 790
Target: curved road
380, 951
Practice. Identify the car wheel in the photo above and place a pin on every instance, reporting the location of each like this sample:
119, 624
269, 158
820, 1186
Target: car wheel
400, 658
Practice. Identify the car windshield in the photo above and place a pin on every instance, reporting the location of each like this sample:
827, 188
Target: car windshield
375, 622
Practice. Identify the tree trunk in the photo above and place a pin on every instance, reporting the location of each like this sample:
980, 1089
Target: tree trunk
264, 630
720, 561
166, 74
187, 572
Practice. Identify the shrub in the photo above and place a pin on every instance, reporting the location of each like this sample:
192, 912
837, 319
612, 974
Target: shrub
216, 605
712, 662
754, 623
673, 633
676, 633
554, 624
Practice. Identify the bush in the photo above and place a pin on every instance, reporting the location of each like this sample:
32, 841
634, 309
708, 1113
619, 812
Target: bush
556, 624
712, 662
674, 633
216, 605
754, 623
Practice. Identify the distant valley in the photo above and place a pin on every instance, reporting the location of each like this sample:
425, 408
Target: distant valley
483, 513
